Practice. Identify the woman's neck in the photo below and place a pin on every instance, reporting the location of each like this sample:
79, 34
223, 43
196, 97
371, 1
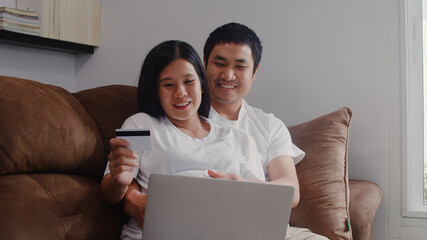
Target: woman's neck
195, 127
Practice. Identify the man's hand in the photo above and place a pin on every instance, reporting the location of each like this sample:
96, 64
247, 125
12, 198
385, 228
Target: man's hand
226, 175
122, 161
135, 202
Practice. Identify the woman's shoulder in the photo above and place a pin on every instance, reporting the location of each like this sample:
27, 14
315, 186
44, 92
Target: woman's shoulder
140, 120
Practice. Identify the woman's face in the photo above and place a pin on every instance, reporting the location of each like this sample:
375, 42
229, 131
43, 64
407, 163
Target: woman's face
180, 91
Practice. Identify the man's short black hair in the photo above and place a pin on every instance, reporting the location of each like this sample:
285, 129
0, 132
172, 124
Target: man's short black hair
157, 59
234, 33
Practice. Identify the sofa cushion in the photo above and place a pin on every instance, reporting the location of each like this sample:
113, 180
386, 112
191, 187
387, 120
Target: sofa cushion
55, 206
45, 129
109, 106
323, 175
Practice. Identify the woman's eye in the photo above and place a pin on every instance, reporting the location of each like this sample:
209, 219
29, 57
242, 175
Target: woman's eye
167, 85
189, 81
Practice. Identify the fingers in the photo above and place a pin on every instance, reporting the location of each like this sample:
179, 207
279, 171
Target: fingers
122, 178
123, 162
214, 174
225, 175
118, 142
118, 148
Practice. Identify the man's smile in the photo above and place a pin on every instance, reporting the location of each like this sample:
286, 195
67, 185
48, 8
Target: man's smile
227, 84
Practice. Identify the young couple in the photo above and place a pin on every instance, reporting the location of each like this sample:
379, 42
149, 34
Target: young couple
200, 125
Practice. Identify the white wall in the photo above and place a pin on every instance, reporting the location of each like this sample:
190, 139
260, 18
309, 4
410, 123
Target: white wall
40, 65
318, 56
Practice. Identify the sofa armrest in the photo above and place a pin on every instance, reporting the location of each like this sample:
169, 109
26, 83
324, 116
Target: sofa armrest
365, 197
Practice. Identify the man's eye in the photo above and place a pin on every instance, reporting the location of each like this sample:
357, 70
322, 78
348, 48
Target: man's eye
241, 67
219, 64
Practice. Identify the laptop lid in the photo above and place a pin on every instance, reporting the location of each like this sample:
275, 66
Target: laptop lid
180, 207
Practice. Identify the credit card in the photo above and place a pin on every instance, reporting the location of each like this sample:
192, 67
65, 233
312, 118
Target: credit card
139, 139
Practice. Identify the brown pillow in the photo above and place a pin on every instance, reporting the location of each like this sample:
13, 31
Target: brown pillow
323, 175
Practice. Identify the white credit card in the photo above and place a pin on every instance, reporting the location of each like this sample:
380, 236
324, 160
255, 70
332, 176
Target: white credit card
139, 139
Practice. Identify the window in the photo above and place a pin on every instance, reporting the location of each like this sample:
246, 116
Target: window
416, 109
424, 29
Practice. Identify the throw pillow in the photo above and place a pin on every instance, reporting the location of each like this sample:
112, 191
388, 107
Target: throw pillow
323, 175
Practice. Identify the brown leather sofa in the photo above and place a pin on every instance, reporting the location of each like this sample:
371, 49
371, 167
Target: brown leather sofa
53, 151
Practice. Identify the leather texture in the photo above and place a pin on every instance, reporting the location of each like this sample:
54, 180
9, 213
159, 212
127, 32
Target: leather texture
365, 198
109, 106
45, 129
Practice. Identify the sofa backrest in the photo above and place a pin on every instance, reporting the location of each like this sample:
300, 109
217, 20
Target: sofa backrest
109, 106
44, 128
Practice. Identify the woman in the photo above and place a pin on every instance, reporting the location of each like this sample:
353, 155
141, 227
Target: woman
173, 99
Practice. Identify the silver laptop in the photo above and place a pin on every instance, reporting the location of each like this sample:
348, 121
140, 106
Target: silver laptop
187, 208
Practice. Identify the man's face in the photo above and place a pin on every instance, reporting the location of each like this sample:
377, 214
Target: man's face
230, 73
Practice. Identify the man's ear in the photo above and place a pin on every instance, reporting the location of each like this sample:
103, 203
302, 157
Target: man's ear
256, 70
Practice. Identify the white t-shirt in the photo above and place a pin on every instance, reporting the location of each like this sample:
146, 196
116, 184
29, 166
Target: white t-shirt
174, 152
270, 134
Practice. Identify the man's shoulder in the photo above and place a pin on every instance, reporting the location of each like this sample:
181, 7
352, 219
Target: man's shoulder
257, 113
227, 129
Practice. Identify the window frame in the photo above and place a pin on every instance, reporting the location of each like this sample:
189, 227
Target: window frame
413, 149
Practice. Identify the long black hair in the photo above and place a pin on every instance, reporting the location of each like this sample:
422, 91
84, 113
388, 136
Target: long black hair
157, 59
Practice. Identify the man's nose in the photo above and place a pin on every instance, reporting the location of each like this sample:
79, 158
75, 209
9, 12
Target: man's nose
228, 74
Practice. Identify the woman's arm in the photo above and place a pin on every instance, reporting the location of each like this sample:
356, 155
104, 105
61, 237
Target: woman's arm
122, 164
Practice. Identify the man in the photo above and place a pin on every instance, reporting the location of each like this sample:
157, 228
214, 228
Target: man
232, 54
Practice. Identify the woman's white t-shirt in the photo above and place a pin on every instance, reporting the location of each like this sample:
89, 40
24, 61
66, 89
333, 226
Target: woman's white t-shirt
227, 149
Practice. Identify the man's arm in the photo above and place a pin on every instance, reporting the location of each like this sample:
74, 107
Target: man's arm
135, 202
282, 171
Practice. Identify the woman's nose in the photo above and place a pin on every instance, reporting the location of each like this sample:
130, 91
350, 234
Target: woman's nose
180, 92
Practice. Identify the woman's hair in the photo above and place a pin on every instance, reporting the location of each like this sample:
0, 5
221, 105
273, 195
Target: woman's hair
157, 59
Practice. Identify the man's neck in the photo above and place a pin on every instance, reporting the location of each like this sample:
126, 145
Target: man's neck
228, 111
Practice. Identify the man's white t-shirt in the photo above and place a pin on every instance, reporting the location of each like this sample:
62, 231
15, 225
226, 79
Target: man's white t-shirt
174, 152
270, 134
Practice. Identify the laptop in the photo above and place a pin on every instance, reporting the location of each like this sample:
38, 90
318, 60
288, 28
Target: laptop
191, 208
